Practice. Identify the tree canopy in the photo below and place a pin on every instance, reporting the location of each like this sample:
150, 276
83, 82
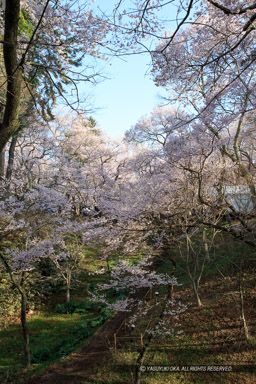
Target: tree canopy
187, 167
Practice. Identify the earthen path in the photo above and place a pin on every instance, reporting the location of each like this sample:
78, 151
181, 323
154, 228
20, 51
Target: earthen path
81, 366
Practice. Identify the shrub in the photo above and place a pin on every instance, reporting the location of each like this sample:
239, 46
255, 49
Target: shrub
81, 307
40, 356
65, 347
117, 294
81, 331
69, 307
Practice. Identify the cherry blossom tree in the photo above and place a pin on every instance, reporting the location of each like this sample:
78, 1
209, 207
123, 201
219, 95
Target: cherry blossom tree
36, 202
135, 278
25, 240
44, 57
67, 260
213, 82
194, 195
147, 21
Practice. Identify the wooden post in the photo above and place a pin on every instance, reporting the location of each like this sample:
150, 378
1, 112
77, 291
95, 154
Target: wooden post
141, 341
115, 342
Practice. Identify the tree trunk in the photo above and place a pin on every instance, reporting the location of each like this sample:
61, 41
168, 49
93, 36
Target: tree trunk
25, 328
2, 163
206, 249
195, 289
68, 294
68, 281
11, 157
172, 291
13, 71
23, 308
194, 281
245, 327
246, 330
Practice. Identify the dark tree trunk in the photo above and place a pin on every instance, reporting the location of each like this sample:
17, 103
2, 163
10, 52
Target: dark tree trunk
23, 308
25, 328
10, 121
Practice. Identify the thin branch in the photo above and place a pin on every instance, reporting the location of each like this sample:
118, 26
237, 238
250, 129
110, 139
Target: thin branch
179, 26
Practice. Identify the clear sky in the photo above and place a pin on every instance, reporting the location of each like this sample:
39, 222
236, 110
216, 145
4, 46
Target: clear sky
128, 95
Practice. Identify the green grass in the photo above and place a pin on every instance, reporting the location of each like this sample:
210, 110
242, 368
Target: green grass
52, 336
92, 260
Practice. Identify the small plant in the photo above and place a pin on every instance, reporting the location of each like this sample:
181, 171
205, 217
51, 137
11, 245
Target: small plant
40, 356
69, 307
252, 341
81, 331
80, 311
81, 307
95, 323
93, 286
65, 347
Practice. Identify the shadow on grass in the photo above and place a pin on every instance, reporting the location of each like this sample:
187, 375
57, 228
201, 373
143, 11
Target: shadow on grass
52, 337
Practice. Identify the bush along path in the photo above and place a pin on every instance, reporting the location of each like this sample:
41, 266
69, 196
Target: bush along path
79, 365
99, 351
54, 334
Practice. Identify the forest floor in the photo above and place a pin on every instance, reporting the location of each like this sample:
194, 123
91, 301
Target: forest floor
212, 338
82, 365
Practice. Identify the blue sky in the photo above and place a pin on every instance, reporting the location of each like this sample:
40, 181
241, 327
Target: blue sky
128, 94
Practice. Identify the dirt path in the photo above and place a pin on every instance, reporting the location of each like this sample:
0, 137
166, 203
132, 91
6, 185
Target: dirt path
81, 366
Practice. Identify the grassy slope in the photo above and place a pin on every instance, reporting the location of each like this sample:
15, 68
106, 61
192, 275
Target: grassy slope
52, 336
212, 335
